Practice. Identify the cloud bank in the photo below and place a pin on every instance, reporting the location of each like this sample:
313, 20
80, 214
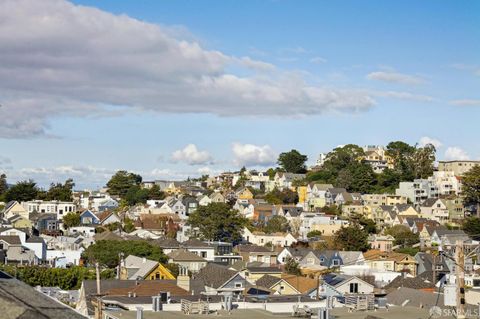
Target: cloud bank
60, 59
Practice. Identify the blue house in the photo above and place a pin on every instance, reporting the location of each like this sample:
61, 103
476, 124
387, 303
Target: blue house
89, 218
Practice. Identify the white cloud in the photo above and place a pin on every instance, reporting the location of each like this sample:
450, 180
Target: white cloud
60, 59
428, 140
465, 102
318, 60
395, 77
475, 69
190, 154
402, 96
456, 153
81, 175
253, 155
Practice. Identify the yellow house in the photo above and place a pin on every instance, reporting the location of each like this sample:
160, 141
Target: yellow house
255, 273
244, 193
20, 222
327, 229
302, 195
14, 208
161, 272
407, 210
134, 268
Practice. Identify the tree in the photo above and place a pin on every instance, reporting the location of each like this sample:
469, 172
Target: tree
278, 197
107, 252
136, 194
3, 185
121, 182
61, 192
155, 193
403, 235
352, 238
71, 220
423, 161
128, 225
471, 226
218, 221
276, 224
471, 187
292, 267
368, 225
293, 162
23, 191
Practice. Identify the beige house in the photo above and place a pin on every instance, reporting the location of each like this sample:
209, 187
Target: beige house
14, 208
458, 167
391, 261
381, 242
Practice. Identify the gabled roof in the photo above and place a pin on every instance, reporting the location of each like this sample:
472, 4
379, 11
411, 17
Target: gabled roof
214, 275
195, 243
267, 281
11, 240
429, 202
142, 266
168, 243
184, 255
300, 283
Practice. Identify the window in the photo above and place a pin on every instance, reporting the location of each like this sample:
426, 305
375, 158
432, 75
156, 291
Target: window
354, 288
336, 262
203, 254
238, 285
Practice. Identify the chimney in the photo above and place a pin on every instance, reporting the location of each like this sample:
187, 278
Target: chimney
183, 280
144, 260
139, 313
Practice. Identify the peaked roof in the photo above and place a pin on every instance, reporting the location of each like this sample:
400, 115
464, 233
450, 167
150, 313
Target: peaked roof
267, 281
144, 266
11, 240
214, 275
184, 255
149, 288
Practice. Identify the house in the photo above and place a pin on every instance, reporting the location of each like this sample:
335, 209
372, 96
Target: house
285, 180
391, 261
168, 245
47, 223
317, 260
159, 224
243, 193
260, 238
457, 167
179, 209
17, 221
289, 252
254, 253
428, 264
288, 284
381, 242
13, 208
191, 205
253, 272
335, 285
188, 260
138, 268
13, 252
200, 248
108, 217
87, 217
203, 200
108, 205
435, 209
219, 280
262, 212
217, 197
57, 207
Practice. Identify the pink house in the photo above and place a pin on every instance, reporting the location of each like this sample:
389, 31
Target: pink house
381, 242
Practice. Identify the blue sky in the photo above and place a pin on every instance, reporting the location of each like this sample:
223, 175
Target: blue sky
240, 80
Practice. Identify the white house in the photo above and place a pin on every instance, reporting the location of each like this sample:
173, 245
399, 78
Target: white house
50, 207
260, 239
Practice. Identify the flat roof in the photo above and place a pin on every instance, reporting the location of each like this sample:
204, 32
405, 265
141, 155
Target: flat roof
338, 313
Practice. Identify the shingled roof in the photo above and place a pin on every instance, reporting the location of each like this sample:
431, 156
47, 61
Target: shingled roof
214, 275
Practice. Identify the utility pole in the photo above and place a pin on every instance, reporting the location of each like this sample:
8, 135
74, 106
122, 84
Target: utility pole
460, 274
434, 268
